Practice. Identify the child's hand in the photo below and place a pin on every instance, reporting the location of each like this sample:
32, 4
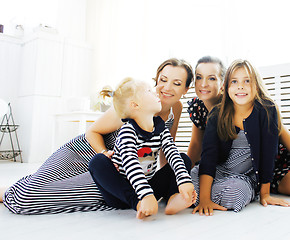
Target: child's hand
207, 207
266, 199
188, 193
147, 207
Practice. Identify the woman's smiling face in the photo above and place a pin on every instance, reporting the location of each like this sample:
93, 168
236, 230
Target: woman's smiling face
171, 84
208, 83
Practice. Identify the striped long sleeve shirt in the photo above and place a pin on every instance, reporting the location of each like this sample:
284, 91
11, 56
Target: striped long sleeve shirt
136, 154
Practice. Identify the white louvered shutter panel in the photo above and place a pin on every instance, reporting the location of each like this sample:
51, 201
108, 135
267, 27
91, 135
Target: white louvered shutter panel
277, 80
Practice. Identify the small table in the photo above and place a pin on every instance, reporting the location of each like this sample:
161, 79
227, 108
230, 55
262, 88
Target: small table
81, 117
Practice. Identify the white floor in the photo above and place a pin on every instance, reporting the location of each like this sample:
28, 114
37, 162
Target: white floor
253, 222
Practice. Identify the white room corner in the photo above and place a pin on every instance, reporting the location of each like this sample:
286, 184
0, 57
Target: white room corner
47, 70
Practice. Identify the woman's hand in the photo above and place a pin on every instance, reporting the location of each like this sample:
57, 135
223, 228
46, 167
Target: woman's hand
147, 207
206, 207
266, 199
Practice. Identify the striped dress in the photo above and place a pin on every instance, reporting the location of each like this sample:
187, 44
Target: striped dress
63, 183
235, 181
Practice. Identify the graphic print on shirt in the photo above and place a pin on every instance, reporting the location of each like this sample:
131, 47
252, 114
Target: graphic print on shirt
146, 158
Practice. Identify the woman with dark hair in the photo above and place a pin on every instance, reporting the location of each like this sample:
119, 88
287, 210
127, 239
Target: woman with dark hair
63, 183
209, 75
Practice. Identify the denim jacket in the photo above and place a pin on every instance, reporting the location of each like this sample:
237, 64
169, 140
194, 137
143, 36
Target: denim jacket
262, 136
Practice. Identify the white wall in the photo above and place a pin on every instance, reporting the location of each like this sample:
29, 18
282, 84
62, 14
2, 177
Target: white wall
10, 49
257, 30
133, 37
67, 16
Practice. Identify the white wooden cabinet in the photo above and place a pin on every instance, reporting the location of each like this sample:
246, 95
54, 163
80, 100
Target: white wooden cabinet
38, 72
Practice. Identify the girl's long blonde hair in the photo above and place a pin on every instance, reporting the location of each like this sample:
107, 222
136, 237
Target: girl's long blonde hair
225, 127
127, 90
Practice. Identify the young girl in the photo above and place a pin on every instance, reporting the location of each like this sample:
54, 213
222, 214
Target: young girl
138, 185
209, 75
239, 146
63, 183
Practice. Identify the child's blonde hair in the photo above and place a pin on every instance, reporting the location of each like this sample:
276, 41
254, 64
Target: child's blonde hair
226, 128
126, 91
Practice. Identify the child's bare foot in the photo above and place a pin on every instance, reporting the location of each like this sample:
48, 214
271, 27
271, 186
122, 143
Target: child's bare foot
139, 214
147, 206
176, 203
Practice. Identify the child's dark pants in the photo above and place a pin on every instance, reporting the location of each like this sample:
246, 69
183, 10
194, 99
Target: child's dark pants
117, 190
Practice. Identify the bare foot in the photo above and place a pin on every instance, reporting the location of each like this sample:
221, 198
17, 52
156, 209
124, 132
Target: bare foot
2, 191
139, 214
176, 203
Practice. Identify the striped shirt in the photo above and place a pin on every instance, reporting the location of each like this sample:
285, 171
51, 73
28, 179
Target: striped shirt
136, 154
110, 138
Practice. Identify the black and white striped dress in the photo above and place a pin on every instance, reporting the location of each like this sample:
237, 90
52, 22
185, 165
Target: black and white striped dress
235, 181
63, 183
